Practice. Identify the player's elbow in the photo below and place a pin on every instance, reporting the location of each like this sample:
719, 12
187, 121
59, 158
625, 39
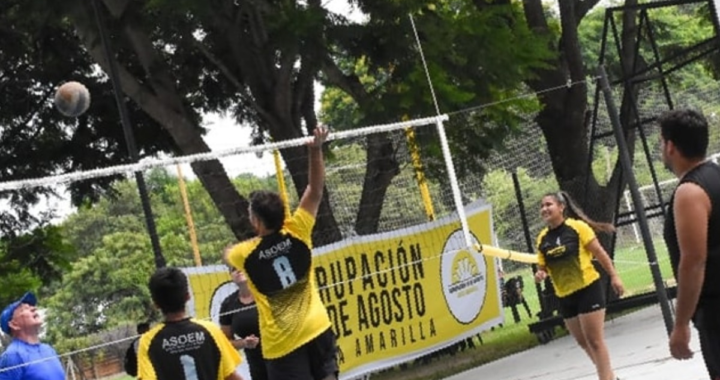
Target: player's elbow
693, 262
315, 193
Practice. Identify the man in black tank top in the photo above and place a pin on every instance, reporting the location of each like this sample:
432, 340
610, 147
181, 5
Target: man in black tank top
692, 235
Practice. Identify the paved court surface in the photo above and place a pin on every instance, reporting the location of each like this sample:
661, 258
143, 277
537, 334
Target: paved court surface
638, 349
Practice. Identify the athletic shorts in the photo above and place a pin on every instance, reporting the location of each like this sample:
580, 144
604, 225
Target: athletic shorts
583, 301
707, 322
315, 360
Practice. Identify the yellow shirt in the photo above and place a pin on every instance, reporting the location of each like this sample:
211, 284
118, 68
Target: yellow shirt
563, 252
186, 349
281, 278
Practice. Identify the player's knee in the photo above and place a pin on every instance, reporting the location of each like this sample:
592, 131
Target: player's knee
582, 342
595, 342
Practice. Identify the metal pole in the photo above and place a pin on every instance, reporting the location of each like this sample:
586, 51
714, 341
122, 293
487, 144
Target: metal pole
129, 138
629, 206
526, 232
637, 201
188, 217
715, 15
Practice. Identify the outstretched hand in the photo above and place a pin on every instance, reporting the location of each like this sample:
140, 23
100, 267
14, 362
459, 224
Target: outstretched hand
320, 133
251, 341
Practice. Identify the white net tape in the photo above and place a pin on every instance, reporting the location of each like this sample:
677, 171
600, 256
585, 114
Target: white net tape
150, 163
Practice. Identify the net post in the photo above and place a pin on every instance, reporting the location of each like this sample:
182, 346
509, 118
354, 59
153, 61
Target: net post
280, 175
420, 173
452, 176
188, 217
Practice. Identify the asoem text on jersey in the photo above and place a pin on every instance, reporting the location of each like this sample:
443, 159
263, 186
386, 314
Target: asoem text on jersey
188, 349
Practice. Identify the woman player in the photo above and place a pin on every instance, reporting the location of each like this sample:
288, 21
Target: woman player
566, 248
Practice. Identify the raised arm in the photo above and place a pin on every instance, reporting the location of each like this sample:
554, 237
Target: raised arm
312, 196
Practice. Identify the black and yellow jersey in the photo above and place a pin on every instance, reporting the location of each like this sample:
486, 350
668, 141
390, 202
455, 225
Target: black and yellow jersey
563, 252
280, 276
186, 350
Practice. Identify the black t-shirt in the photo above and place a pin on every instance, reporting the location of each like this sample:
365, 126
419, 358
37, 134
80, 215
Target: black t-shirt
242, 317
707, 176
244, 321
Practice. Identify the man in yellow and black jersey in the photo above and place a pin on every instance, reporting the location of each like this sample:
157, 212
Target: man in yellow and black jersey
182, 348
297, 339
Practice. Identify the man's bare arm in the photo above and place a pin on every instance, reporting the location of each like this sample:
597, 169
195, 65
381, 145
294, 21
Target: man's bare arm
691, 210
313, 194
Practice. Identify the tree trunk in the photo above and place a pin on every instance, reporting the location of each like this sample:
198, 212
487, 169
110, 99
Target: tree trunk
381, 167
563, 117
381, 164
282, 94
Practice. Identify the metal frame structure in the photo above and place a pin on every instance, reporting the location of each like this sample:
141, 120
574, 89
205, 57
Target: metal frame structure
638, 76
657, 70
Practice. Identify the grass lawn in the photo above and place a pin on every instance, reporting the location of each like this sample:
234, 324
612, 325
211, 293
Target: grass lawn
632, 265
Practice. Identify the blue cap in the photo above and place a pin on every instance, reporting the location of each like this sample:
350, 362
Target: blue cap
7, 314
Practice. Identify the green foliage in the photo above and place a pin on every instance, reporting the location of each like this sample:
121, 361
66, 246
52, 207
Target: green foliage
103, 289
15, 279
107, 286
500, 193
473, 57
40, 53
32, 260
674, 28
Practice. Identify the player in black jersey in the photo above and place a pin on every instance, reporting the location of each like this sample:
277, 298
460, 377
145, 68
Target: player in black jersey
240, 322
692, 235
182, 348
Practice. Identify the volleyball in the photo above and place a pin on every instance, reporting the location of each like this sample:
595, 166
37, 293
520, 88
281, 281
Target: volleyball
72, 99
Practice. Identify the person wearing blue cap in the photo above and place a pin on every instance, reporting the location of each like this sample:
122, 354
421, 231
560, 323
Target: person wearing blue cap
26, 358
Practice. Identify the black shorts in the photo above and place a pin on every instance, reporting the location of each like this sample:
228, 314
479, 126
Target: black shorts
315, 360
707, 322
583, 301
